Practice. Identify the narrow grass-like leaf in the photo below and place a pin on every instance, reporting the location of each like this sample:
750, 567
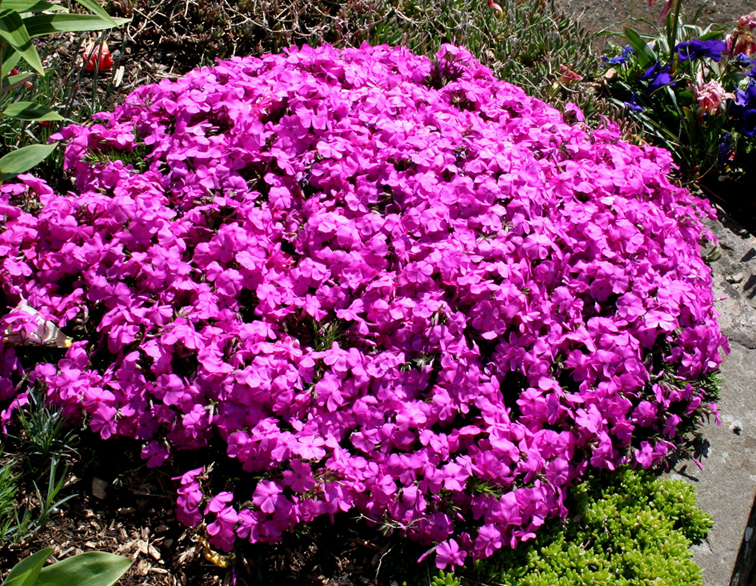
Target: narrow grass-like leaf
48, 24
95, 568
26, 572
30, 5
645, 54
13, 31
95, 8
23, 159
31, 111
710, 35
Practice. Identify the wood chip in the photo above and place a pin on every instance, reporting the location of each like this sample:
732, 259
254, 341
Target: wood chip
154, 552
143, 547
98, 488
143, 568
127, 547
187, 554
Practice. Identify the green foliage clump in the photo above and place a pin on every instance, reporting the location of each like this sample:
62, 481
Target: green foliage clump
33, 474
21, 103
445, 579
628, 528
530, 43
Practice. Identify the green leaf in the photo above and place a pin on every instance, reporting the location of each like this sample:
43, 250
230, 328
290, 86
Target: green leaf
13, 31
31, 111
645, 54
30, 5
23, 159
9, 64
25, 572
711, 35
94, 568
95, 8
8, 83
48, 24
686, 97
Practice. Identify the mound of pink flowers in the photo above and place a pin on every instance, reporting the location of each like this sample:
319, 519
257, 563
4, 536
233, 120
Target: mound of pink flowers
389, 285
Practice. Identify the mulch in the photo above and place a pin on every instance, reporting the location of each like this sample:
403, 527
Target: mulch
120, 506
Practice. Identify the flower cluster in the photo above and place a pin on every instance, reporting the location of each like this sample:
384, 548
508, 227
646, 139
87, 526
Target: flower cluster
741, 40
388, 284
96, 56
691, 90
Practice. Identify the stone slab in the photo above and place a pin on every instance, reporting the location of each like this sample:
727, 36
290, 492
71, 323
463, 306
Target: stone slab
726, 487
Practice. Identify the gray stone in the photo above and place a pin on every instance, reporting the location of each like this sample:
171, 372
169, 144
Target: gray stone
726, 486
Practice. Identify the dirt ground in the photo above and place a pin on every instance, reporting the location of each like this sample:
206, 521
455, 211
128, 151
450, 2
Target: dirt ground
612, 15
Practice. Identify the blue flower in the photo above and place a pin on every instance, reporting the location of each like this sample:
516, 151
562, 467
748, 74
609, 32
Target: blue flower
697, 49
633, 104
624, 56
659, 77
744, 108
746, 97
725, 147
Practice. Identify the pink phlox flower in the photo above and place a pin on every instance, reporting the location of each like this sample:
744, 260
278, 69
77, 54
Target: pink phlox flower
218, 502
449, 554
590, 420
184, 332
336, 499
645, 455
300, 477
172, 390
488, 541
266, 495
155, 453
247, 526
459, 240
222, 530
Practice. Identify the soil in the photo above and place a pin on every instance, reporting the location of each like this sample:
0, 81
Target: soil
122, 507
608, 16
